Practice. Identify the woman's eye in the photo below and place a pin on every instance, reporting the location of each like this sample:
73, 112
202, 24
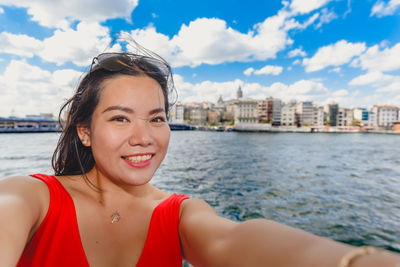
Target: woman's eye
119, 119
158, 119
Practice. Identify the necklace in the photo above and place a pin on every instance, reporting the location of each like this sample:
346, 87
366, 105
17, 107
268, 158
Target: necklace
115, 217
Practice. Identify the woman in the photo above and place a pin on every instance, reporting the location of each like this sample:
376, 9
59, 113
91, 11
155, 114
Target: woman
100, 210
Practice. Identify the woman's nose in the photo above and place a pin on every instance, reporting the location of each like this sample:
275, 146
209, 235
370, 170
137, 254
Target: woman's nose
140, 134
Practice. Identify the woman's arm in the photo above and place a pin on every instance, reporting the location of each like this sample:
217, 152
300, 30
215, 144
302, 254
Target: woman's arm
21, 206
209, 240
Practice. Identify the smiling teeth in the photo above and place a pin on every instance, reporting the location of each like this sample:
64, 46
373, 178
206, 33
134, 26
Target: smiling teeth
138, 159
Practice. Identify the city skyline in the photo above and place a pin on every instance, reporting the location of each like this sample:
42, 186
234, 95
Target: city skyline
343, 51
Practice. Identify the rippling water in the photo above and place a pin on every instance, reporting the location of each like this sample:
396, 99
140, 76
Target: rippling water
344, 186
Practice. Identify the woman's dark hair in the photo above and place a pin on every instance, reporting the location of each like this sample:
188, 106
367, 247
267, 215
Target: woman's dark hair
70, 156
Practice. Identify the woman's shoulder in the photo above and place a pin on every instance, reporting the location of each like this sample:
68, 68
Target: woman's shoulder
25, 190
22, 184
192, 209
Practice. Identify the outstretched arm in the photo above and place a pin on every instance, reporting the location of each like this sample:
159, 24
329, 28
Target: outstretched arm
20, 209
209, 240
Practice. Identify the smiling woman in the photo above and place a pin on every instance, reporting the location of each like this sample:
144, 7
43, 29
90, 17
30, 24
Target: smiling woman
99, 208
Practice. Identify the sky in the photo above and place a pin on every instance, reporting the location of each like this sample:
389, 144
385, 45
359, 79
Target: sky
325, 51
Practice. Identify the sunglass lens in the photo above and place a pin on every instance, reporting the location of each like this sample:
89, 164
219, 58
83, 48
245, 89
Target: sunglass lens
113, 62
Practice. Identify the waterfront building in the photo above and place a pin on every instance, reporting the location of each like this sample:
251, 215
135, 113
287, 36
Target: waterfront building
288, 115
239, 93
269, 110
229, 114
241, 110
344, 117
332, 111
276, 111
318, 116
176, 114
305, 113
198, 115
262, 111
372, 118
386, 115
213, 116
361, 116
245, 111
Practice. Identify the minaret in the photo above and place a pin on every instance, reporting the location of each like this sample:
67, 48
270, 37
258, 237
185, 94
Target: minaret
239, 93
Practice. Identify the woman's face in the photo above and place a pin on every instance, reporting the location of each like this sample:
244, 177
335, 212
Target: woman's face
129, 133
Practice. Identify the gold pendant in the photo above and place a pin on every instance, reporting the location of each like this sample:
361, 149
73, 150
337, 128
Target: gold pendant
115, 217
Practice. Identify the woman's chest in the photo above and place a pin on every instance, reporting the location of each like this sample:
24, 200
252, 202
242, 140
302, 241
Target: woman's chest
108, 241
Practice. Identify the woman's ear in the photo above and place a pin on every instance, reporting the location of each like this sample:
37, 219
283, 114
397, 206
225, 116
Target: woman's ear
84, 134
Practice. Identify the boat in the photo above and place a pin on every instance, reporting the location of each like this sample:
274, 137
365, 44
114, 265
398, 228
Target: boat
181, 127
28, 125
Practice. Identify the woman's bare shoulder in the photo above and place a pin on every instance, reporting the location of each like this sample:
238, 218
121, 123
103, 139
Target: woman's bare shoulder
25, 190
195, 205
22, 184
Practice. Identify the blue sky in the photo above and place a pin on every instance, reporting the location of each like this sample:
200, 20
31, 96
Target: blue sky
344, 51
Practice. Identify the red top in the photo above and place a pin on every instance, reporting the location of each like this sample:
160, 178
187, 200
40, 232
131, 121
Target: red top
57, 241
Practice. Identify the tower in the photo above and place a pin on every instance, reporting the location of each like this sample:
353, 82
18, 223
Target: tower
239, 93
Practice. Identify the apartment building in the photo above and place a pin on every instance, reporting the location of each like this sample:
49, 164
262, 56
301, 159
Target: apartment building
176, 113
331, 111
344, 117
288, 115
318, 116
386, 115
305, 113
269, 110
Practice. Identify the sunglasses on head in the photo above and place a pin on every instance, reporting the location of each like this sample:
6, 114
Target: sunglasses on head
119, 61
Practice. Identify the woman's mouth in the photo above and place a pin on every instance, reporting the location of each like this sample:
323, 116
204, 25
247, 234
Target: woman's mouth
138, 159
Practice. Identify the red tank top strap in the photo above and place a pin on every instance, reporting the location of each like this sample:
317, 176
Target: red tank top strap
57, 241
162, 246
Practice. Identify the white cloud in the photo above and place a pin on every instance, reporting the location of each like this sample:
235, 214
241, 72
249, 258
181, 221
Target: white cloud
297, 52
211, 41
382, 82
337, 70
326, 17
393, 87
333, 55
349, 99
296, 62
348, 11
28, 89
202, 41
78, 46
269, 69
376, 78
340, 93
248, 71
381, 8
1, 10
68, 45
60, 14
375, 59
21, 45
306, 6
302, 90
206, 90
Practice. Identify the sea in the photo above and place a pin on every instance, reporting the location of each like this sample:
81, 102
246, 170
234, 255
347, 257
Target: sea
338, 185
